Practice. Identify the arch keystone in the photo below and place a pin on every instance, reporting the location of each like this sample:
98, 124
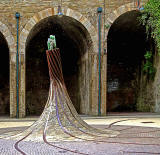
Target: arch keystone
43, 14
50, 12
131, 6
68, 12
121, 10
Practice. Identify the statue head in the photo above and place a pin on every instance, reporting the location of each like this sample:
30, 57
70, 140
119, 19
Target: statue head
52, 37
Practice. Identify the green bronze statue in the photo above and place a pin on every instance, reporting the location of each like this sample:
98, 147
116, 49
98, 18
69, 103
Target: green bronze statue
51, 42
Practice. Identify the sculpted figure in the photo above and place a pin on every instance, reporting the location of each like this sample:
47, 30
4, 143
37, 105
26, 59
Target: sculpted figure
51, 42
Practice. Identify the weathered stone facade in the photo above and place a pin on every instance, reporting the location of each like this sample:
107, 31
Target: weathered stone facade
84, 11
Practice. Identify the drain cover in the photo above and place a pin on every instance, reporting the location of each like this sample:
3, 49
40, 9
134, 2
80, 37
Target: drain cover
147, 122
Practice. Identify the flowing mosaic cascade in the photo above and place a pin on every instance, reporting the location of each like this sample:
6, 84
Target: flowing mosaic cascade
59, 120
60, 123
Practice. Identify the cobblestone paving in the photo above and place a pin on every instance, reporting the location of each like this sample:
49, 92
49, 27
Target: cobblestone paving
31, 148
114, 147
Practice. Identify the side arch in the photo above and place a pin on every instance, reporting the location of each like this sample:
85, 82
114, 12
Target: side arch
9, 37
113, 21
115, 14
12, 62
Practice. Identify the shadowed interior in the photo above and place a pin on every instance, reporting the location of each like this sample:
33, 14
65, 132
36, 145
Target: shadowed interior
127, 44
72, 40
4, 76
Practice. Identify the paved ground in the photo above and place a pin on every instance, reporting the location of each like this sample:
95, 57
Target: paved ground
142, 133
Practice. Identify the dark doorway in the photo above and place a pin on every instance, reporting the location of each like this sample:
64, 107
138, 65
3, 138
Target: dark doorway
72, 39
4, 77
127, 44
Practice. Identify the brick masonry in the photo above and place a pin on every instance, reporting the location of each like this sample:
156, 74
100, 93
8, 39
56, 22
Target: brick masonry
84, 11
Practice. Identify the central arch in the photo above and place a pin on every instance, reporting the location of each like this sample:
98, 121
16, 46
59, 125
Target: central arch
85, 29
73, 40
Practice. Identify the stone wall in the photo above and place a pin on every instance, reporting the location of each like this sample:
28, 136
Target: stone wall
156, 85
149, 95
85, 11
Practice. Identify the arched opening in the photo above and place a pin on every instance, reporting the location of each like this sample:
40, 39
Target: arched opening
4, 76
74, 42
127, 43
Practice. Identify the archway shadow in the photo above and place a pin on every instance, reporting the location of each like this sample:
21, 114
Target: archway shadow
72, 39
4, 77
127, 44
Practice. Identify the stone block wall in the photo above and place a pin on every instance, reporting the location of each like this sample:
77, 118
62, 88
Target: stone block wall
85, 11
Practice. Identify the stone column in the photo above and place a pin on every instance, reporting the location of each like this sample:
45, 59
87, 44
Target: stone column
84, 85
13, 89
103, 84
22, 106
93, 87
87, 79
94, 84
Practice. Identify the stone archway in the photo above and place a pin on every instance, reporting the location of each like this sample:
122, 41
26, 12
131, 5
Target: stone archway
12, 63
92, 57
122, 12
51, 12
115, 14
